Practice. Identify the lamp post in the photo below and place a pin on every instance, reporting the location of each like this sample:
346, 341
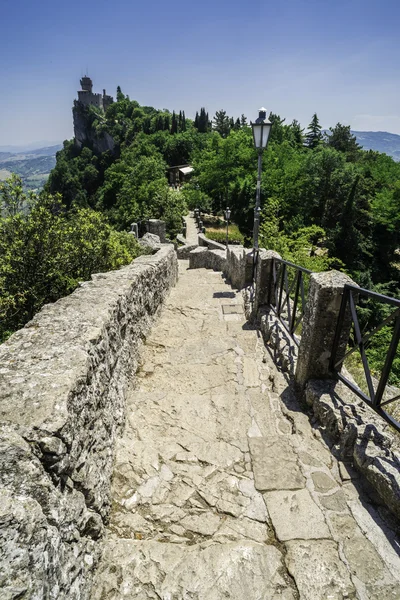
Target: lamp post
261, 130
227, 213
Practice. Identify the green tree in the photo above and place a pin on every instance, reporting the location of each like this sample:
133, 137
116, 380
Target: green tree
221, 123
120, 95
45, 252
174, 124
314, 133
342, 140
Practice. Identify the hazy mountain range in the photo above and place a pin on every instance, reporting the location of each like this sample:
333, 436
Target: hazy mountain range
31, 162
382, 141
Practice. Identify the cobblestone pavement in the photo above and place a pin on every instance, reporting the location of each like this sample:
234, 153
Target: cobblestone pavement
222, 487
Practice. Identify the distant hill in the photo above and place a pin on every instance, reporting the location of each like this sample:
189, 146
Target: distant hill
382, 141
33, 166
22, 149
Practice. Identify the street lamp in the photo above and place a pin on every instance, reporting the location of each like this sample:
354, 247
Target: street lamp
261, 130
227, 214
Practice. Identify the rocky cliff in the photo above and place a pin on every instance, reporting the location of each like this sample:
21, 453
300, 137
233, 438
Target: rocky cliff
87, 135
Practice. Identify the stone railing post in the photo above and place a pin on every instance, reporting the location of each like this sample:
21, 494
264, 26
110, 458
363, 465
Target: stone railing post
264, 279
319, 327
157, 227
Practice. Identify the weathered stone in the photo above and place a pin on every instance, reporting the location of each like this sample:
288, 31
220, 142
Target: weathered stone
318, 571
157, 228
204, 258
204, 524
295, 516
322, 482
149, 570
361, 555
319, 327
336, 502
361, 437
264, 279
276, 336
183, 252
150, 241
62, 393
275, 465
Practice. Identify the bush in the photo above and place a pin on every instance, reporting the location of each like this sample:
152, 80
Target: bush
46, 252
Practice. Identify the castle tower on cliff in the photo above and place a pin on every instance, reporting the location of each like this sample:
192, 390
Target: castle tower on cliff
88, 98
84, 134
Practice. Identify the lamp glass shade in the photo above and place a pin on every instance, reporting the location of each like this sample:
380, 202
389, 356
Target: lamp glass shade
261, 133
227, 214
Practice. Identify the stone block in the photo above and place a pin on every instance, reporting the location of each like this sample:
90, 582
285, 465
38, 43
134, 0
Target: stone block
183, 252
318, 571
264, 279
196, 258
158, 228
319, 327
295, 516
275, 464
204, 258
150, 241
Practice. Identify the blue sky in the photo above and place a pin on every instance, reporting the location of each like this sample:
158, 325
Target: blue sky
338, 58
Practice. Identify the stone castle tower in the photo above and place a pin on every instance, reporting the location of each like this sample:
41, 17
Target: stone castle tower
88, 98
84, 134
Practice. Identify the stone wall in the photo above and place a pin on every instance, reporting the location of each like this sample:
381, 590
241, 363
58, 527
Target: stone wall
235, 261
62, 405
211, 244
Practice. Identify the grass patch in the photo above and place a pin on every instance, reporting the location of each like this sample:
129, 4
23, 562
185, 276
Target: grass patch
219, 234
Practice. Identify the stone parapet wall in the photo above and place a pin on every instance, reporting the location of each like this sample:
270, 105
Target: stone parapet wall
63, 380
203, 258
360, 437
211, 244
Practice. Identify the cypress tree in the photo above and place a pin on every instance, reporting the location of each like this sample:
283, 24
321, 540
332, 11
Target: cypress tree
174, 124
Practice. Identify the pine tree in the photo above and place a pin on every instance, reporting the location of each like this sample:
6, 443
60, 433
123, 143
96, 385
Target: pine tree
183, 121
243, 121
174, 124
180, 121
231, 123
237, 124
314, 134
221, 123
196, 120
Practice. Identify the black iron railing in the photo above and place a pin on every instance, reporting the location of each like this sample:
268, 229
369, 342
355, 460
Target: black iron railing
288, 295
376, 390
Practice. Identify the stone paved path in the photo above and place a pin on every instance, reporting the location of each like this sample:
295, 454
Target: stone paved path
222, 488
191, 230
